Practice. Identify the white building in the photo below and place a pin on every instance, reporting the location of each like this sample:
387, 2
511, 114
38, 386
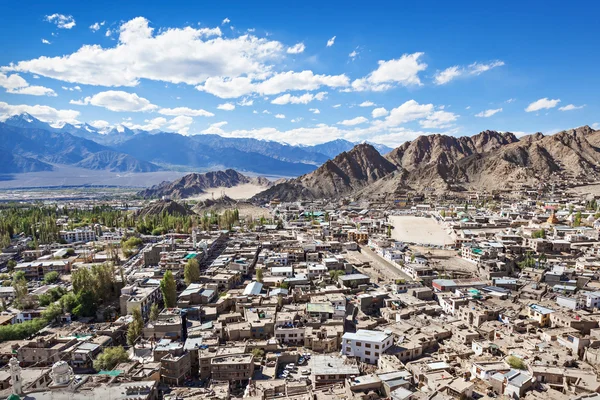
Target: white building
366, 344
78, 235
592, 300
282, 271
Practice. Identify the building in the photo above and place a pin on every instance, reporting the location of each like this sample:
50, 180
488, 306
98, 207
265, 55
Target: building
327, 370
540, 314
233, 367
78, 235
366, 345
134, 296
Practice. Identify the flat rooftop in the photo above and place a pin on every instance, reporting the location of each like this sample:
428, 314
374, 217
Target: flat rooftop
367, 335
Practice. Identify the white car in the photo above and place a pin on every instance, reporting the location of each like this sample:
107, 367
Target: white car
305, 372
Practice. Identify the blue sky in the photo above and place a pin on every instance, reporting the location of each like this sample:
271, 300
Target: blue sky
393, 72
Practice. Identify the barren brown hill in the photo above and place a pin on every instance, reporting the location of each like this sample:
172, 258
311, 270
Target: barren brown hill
169, 207
487, 161
446, 150
533, 159
348, 172
194, 184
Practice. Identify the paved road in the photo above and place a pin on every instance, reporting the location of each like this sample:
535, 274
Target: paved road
383, 265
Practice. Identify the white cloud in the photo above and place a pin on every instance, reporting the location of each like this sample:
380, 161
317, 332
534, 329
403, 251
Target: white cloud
303, 99
353, 121
439, 119
336, 105
61, 21
34, 91
95, 27
180, 124
100, 124
46, 41
403, 71
15, 84
117, 100
488, 113
108, 33
280, 116
13, 81
226, 106
298, 119
354, 54
225, 21
379, 112
366, 104
227, 88
596, 125
216, 128
296, 49
314, 110
511, 100
150, 124
246, 102
541, 104
451, 73
570, 107
43, 113
408, 111
330, 42
179, 111
175, 55
385, 131
467, 107
266, 112
72, 89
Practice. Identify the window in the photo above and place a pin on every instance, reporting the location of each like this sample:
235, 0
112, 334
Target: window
368, 345
368, 353
377, 346
358, 344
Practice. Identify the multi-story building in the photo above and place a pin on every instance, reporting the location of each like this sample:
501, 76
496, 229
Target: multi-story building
367, 345
233, 368
78, 235
38, 269
142, 297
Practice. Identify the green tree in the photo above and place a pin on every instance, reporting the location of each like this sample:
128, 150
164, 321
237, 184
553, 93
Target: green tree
22, 298
110, 358
51, 277
577, 219
258, 353
540, 234
259, 275
168, 287
154, 311
515, 362
135, 328
11, 264
335, 274
191, 272
52, 312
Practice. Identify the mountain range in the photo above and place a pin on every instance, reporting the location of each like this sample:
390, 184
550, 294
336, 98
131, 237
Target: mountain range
121, 149
489, 160
195, 184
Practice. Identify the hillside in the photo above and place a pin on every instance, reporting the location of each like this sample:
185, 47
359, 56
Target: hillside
194, 184
343, 175
496, 166
29, 143
169, 207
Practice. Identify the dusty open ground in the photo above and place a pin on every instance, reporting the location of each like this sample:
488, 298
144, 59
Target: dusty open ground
239, 192
413, 229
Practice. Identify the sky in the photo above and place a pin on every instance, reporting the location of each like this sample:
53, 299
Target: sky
303, 73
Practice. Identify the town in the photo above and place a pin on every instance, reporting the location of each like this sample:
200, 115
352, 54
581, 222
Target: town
419, 298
